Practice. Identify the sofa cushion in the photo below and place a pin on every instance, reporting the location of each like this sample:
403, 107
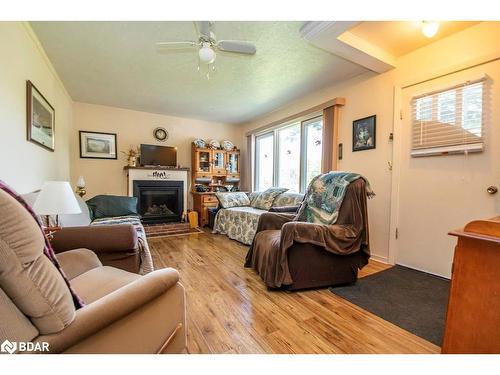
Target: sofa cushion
236, 199
102, 206
238, 223
265, 200
101, 281
77, 220
288, 199
27, 276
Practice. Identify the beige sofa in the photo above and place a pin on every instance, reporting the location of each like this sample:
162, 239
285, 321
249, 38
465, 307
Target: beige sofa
124, 312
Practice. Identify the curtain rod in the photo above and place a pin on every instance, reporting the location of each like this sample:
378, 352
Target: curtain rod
336, 101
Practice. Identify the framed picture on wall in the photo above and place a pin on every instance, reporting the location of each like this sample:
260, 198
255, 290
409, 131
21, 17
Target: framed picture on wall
95, 145
364, 133
40, 118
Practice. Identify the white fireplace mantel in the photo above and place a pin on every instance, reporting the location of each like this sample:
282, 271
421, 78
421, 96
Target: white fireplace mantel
158, 174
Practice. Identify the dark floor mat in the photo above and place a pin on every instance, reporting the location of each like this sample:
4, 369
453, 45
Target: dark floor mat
413, 300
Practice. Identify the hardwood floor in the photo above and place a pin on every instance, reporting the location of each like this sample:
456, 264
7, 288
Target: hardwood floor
230, 310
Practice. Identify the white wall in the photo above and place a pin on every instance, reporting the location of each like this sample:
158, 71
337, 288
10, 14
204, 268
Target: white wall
25, 165
371, 94
134, 128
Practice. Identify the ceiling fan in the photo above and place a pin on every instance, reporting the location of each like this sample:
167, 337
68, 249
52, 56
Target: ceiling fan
207, 44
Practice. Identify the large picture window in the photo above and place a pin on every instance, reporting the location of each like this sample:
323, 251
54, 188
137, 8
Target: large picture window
289, 156
264, 161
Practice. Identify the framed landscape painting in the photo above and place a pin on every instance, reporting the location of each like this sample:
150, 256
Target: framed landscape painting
364, 133
40, 118
95, 145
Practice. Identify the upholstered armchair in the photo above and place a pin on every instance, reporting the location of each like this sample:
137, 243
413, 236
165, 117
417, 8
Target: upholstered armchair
295, 255
123, 312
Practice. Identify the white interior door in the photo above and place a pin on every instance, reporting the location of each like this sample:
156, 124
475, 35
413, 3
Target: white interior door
441, 193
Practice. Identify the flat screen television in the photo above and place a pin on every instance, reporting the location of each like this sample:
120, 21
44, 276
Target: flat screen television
164, 156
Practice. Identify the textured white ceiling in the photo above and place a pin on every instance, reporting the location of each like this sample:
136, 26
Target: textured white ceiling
116, 64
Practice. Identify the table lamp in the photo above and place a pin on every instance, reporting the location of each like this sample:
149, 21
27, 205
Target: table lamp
56, 198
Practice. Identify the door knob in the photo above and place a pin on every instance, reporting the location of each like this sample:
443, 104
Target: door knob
492, 190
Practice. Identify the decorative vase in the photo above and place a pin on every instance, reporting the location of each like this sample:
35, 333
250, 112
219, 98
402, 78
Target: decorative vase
132, 161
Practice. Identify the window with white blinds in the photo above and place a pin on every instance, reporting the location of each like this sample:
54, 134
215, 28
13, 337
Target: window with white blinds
449, 120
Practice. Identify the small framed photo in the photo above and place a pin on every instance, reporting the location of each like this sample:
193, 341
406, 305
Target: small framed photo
95, 145
40, 118
364, 133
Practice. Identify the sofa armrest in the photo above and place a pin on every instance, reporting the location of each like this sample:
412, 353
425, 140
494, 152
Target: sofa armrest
99, 239
284, 209
109, 309
337, 238
273, 220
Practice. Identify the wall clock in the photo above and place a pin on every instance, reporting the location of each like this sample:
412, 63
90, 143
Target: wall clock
160, 134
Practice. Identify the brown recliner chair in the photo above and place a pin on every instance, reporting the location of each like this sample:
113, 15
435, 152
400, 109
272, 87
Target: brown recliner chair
296, 255
114, 245
124, 312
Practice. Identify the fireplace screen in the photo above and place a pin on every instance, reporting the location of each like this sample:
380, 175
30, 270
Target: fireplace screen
159, 201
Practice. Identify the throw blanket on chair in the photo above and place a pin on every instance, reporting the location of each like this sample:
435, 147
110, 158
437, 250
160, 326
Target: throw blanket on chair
325, 195
146, 260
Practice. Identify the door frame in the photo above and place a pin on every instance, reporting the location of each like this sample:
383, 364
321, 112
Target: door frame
396, 172
397, 140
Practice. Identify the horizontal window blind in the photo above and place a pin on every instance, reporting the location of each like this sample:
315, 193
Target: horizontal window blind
449, 119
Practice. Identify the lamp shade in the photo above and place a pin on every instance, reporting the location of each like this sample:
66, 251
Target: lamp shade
80, 182
56, 198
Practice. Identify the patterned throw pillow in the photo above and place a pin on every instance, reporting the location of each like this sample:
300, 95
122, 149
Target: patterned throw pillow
265, 199
236, 199
252, 196
288, 199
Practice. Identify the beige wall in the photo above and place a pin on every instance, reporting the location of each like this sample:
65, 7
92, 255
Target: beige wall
370, 94
134, 128
25, 165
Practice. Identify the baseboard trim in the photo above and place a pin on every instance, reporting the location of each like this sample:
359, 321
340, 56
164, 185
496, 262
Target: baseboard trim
425, 271
379, 258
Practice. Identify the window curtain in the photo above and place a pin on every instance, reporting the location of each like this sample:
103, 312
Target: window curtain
249, 164
329, 152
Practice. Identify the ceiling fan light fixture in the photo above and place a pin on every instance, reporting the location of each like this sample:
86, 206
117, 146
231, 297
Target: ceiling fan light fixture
206, 53
430, 28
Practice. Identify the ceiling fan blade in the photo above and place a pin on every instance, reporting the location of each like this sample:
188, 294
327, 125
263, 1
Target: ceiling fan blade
167, 46
236, 46
203, 28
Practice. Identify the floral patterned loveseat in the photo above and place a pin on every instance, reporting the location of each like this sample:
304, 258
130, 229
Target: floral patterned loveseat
240, 223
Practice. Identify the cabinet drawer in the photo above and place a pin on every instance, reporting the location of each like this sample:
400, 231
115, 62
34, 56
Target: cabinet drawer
210, 204
210, 199
203, 175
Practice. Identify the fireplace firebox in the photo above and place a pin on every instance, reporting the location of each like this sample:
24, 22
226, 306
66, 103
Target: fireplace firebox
159, 201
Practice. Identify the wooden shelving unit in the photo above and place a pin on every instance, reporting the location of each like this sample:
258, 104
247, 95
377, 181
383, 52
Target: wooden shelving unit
213, 170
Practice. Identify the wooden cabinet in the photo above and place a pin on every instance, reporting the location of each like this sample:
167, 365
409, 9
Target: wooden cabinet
219, 161
233, 162
202, 161
201, 203
213, 170
473, 317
